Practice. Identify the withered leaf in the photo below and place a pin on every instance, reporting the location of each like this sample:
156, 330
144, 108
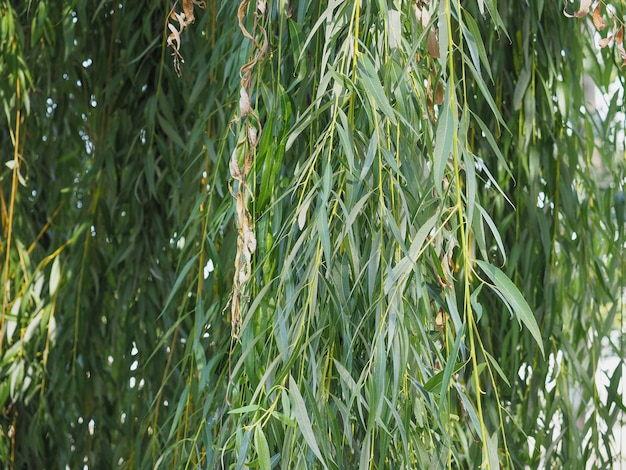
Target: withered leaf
188, 10
582, 10
244, 103
439, 94
598, 21
173, 40
184, 19
423, 15
605, 41
235, 169
440, 319
433, 43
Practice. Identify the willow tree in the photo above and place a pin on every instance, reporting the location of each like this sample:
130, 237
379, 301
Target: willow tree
284, 234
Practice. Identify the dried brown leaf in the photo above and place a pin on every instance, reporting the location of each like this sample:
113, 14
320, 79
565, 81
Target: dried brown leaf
433, 43
188, 10
440, 319
184, 19
235, 169
173, 40
605, 41
439, 94
582, 10
244, 103
241, 13
598, 21
246, 240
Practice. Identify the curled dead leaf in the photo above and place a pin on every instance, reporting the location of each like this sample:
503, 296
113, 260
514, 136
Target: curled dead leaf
439, 94
598, 21
440, 319
253, 137
239, 170
244, 103
235, 169
582, 10
605, 41
433, 43
188, 10
183, 19
173, 40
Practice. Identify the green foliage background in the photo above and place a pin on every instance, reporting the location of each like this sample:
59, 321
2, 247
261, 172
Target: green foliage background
438, 209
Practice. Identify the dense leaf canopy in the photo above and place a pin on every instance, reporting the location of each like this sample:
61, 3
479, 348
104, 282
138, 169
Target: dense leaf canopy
311, 234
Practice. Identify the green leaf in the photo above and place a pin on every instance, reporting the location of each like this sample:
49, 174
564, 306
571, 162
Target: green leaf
520, 88
17, 376
436, 380
182, 404
516, 300
172, 133
497, 367
485, 93
371, 82
302, 418
443, 142
475, 43
263, 450
492, 451
244, 409
179, 280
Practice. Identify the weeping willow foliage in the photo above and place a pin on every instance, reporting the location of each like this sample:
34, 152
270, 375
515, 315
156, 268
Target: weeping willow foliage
382, 234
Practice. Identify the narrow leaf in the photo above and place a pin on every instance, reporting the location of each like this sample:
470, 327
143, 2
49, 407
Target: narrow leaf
436, 380
244, 409
263, 450
514, 297
520, 88
55, 276
302, 418
492, 450
372, 85
443, 143
497, 367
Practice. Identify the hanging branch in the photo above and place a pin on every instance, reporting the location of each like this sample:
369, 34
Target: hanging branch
241, 163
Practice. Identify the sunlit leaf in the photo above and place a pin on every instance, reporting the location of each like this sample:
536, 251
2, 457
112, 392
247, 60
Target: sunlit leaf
262, 448
55, 276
